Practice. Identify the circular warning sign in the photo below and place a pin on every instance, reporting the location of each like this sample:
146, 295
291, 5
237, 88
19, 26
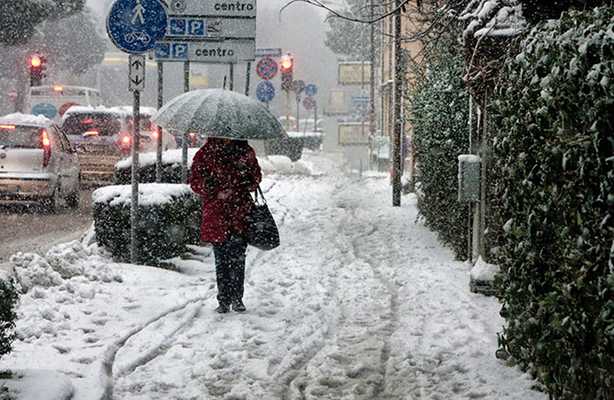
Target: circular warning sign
267, 68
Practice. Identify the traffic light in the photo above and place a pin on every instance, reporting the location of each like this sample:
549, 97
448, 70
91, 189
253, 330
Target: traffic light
37, 64
287, 69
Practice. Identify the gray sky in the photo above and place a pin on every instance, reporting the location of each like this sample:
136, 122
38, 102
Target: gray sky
299, 30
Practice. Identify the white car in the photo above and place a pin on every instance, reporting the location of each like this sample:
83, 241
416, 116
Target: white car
37, 162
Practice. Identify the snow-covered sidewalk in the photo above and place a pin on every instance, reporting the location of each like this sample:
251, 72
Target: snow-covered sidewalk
359, 302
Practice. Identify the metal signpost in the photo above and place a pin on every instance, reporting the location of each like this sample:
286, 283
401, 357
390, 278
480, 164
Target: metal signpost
134, 26
265, 92
311, 90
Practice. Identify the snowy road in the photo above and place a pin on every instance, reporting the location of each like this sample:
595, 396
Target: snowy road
25, 228
360, 302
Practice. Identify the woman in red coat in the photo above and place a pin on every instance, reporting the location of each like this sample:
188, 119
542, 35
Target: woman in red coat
224, 172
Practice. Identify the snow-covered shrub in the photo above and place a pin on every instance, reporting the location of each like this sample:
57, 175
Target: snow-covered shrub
169, 217
439, 116
553, 197
8, 301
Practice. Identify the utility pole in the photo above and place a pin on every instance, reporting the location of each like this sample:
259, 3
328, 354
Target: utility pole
186, 135
159, 128
372, 94
398, 124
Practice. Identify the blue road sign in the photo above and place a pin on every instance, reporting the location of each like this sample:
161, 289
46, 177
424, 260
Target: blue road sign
265, 92
134, 26
195, 28
311, 90
45, 109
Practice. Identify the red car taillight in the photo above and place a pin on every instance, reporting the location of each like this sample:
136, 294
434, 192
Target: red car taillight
46, 144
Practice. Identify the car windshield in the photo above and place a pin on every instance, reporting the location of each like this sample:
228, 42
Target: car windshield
24, 137
96, 124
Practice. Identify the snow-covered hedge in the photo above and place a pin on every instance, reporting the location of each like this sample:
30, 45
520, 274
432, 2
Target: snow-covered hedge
553, 204
440, 117
170, 216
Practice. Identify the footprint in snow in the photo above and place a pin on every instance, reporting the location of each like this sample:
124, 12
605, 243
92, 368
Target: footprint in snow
83, 360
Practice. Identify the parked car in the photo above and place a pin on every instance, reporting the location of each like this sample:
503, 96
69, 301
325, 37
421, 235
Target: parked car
101, 138
37, 162
148, 130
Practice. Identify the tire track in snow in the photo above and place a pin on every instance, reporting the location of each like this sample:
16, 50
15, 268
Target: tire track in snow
161, 347
112, 350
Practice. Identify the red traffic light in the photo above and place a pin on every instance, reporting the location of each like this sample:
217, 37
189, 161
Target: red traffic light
36, 61
287, 62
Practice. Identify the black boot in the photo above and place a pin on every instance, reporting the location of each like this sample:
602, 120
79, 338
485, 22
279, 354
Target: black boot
222, 309
238, 306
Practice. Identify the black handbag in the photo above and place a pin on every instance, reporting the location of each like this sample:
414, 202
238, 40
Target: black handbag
262, 231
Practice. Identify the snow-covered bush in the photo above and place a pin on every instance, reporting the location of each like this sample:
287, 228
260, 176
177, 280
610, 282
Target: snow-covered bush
439, 116
8, 301
553, 204
169, 215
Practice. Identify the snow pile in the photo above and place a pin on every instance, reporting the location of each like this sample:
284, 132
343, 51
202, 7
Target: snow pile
484, 272
38, 384
24, 119
149, 193
61, 263
282, 165
500, 18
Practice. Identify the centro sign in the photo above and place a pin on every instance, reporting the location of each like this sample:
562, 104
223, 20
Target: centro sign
219, 8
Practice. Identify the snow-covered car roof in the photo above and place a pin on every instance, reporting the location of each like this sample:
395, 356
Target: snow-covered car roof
25, 120
493, 18
127, 110
89, 110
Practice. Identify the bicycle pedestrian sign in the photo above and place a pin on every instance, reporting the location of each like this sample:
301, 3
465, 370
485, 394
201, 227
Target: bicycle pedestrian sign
135, 26
267, 68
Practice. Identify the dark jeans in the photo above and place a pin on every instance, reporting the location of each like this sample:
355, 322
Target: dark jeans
230, 269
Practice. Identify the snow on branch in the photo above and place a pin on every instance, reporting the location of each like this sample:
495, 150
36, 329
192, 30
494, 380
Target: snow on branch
493, 18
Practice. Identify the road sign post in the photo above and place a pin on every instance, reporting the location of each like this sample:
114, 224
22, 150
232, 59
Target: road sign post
134, 26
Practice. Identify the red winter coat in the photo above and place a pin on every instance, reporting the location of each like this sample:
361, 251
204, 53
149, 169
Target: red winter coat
224, 170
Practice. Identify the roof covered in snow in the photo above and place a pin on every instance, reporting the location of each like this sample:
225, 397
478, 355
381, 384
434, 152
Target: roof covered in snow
25, 119
493, 18
90, 109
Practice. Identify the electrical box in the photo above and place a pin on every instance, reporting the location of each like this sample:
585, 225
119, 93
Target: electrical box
468, 178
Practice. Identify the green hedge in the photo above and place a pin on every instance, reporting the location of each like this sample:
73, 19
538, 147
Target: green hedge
553, 204
440, 119
8, 302
164, 230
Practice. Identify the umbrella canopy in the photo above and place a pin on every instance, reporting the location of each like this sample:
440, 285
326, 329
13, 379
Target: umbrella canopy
219, 113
